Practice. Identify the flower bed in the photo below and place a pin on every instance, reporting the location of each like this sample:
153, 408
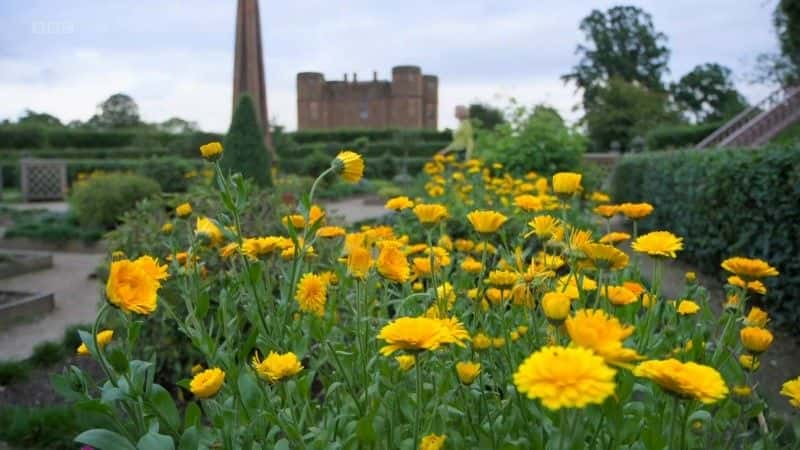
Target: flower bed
493, 313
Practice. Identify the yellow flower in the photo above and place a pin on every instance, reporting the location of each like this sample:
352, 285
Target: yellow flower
481, 246
606, 211
471, 265
432, 442
276, 366
486, 222
418, 287
206, 227
312, 294
498, 342
412, 334
742, 391
791, 390
604, 334
556, 306
688, 308
752, 286
197, 368
691, 277
565, 377
502, 278
749, 362
406, 362
497, 296
636, 211
133, 285
467, 371
399, 203
619, 295
658, 243
464, 245
481, 341
430, 214
183, 210
749, 269
260, 246
393, 265
756, 318
358, 262
755, 339
600, 197
688, 380
167, 228
331, 232
569, 286
207, 383
605, 257
103, 338
228, 250
527, 202
544, 227
615, 237
350, 165
566, 183
211, 151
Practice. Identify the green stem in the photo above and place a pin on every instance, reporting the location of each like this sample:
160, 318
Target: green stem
674, 421
418, 418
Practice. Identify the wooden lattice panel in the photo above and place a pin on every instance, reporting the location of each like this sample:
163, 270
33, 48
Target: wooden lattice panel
43, 179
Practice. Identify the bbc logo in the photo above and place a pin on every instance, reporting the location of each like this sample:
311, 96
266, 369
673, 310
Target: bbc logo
52, 27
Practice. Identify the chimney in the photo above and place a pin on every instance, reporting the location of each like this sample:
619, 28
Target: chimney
345, 77
355, 77
374, 75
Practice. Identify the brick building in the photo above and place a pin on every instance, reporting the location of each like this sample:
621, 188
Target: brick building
409, 100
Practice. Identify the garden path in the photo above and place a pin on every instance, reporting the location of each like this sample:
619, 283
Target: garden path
76, 297
356, 209
60, 207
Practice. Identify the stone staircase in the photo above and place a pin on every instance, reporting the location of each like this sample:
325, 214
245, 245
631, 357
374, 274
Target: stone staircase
759, 123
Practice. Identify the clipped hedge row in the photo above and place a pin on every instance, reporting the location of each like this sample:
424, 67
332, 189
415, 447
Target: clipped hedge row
169, 171
349, 135
726, 203
679, 136
377, 167
40, 137
84, 153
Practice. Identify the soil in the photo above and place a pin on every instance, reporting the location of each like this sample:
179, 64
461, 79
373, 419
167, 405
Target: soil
37, 390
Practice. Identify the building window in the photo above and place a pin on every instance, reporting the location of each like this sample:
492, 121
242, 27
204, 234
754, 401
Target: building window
314, 110
364, 112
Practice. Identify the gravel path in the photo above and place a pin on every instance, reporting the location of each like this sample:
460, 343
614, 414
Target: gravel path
356, 209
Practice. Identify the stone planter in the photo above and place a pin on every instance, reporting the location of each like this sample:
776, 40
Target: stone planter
18, 263
16, 305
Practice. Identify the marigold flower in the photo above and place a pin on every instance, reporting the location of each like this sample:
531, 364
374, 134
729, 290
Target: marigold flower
752, 286
749, 362
312, 294
167, 228
464, 245
619, 295
742, 391
636, 211
749, 269
430, 214
414, 334
606, 211
502, 278
605, 257
211, 151
350, 165
529, 203
393, 265
568, 284
467, 371
497, 296
406, 362
276, 366
480, 247
556, 306
133, 285
658, 243
613, 238
330, 232
358, 262
207, 383
432, 442
757, 317
604, 334
260, 246
399, 203
600, 197
486, 222
566, 183
687, 308
498, 342
103, 338
689, 380
206, 227
791, 390
565, 377
755, 339
183, 210
544, 227
471, 265
481, 341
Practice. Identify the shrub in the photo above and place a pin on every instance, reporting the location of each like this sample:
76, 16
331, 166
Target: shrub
245, 151
100, 200
52, 227
40, 428
679, 136
13, 372
90, 138
171, 173
22, 137
725, 203
47, 353
535, 140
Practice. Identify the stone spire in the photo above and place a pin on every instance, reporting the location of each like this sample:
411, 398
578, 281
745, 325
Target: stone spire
248, 64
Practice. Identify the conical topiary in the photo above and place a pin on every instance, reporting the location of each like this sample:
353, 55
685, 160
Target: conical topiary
245, 151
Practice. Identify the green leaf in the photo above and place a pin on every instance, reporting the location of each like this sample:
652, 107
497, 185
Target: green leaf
190, 439
365, 431
155, 441
118, 361
192, 415
163, 403
283, 444
249, 390
104, 440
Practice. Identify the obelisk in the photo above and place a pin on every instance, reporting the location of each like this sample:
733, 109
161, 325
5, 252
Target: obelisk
248, 64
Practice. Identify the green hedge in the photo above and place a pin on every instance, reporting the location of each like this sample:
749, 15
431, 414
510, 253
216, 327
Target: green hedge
725, 203
84, 153
14, 136
349, 135
376, 167
679, 136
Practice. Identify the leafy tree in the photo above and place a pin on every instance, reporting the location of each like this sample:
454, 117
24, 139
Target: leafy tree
621, 43
707, 94
117, 111
245, 151
176, 125
39, 119
485, 116
783, 67
624, 111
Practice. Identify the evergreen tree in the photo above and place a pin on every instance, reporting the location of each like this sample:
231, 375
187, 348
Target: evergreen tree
245, 151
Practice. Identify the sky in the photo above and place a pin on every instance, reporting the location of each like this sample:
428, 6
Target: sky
175, 57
